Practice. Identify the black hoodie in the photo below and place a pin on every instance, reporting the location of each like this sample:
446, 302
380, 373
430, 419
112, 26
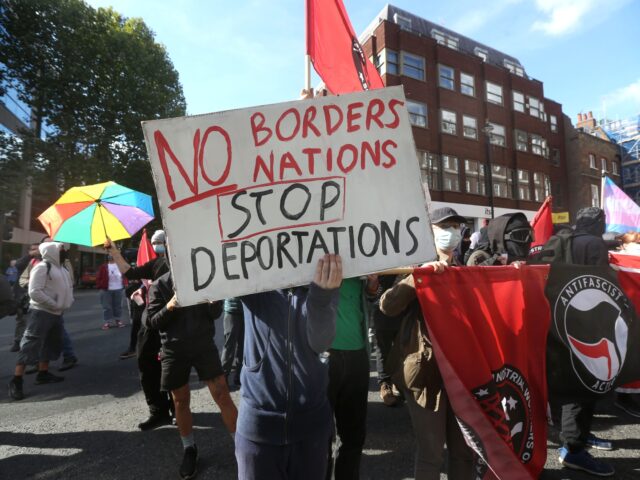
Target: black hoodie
497, 229
587, 246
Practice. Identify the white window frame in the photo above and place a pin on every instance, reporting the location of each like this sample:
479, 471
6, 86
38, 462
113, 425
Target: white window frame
538, 144
450, 173
553, 122
449, 124
514, 68
497, 135
467, 87
476, 174
534, 107
524, 185
603, 165
469, 127
482, 53
522, 140
614, 167
592, 161
415, 116
443, 68
595, 196
494, 96
402, 21
408, 68
518, 101
383, 62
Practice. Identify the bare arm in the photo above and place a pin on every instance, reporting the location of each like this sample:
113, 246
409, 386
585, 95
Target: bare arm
119, 260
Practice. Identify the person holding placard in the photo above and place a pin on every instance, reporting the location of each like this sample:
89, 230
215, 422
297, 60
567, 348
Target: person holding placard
284, 423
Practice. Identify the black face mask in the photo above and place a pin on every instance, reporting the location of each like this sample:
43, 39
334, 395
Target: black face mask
64, 255
517, 239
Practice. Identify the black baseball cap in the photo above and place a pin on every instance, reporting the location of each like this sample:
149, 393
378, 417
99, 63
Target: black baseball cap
443, 214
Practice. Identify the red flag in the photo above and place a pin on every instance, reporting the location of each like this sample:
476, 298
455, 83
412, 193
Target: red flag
542, 225
334, 49
145, 250
490, 348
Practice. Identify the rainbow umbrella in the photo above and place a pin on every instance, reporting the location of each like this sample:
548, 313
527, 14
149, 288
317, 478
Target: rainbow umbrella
87, 215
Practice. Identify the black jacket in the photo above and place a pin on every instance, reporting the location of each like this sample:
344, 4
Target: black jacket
184, 326
152, 270
587, 245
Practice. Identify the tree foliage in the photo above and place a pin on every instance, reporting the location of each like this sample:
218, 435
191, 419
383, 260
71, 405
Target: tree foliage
90, 76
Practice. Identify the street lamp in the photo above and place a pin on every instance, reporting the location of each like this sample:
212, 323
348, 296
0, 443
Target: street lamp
488, 128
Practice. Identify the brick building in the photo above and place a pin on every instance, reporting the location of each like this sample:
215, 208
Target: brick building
589, 153
472, 106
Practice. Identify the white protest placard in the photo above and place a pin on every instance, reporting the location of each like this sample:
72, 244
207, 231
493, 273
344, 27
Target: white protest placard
252, 198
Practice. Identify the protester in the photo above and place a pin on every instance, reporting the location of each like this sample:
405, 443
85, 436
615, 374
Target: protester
233, 324
21, 295
464, 246
349, 376
136, 293
51, 293
432, 418
111, 284
508, 239
630, 243
587, 248
148, 346
69, 358
187, 341
284, 424
385, 331
11, 273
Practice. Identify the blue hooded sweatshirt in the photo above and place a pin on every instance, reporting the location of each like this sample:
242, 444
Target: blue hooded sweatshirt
284, 382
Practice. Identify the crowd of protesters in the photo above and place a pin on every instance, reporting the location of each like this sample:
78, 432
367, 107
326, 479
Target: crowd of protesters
301, 356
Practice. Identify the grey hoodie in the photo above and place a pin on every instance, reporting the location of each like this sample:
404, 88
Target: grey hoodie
52, 291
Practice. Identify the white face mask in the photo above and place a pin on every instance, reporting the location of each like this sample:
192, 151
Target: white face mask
447, 239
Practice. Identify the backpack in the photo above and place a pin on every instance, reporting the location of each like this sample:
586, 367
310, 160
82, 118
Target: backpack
556, 250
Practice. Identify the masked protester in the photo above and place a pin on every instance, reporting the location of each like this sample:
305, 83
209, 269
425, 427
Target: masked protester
415, 369
148, 339
509, 240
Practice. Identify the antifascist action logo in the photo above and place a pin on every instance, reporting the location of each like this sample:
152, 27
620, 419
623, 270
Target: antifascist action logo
360, 62
589, 316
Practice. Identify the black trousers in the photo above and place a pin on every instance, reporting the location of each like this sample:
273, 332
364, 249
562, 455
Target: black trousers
151, 371
348, 394
576, 424
384, 342
233, 324
135, 312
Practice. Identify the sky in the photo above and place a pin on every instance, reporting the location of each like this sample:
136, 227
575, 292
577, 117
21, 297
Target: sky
241, 53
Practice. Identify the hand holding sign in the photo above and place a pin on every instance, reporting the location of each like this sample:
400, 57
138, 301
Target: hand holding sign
328, 272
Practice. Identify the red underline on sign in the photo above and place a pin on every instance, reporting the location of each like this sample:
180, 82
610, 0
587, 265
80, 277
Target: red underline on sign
286, 227
201, 196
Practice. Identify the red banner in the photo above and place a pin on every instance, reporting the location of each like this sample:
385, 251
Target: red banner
628, 267
542, 225
335, 51
490, 348
145, 250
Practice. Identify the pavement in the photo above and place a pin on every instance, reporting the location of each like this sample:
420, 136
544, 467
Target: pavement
85, 428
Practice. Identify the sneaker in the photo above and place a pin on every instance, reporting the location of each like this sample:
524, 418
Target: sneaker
127, 354
31, 369
68, 363
626, 403
106, 326
15, 389
154, 421
583, 460
47, 377
189, 466
119, 324
387, 396
598, 443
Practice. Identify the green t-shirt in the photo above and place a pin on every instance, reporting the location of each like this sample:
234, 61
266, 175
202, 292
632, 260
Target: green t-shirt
349, 330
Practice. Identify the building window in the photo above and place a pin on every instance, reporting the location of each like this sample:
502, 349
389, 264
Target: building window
592, 161
429, 166
446, 75
467, 84
534, 107
403, 22
538, 144
521, 141
595, 196
469, 127
603, 164
474, 174
444, 39
450, 173
518, 101
555, 157
538, 187
496, 136
523, 185
417, 113
412, 66
514, 68
387, 62
494, 93
547, 187
480, 52
502, 179
553, 120
614, 168
448, 122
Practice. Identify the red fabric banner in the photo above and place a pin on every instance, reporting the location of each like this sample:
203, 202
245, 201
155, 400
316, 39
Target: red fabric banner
490, 347
335, 51
542, 225
145, 250
628, 267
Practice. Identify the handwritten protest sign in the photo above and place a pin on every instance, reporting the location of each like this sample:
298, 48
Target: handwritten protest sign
251, 198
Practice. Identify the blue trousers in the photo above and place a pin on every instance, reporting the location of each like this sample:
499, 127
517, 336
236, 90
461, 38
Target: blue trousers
306, 459
111, 304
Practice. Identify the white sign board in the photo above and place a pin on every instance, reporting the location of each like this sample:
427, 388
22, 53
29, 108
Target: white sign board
252, 198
